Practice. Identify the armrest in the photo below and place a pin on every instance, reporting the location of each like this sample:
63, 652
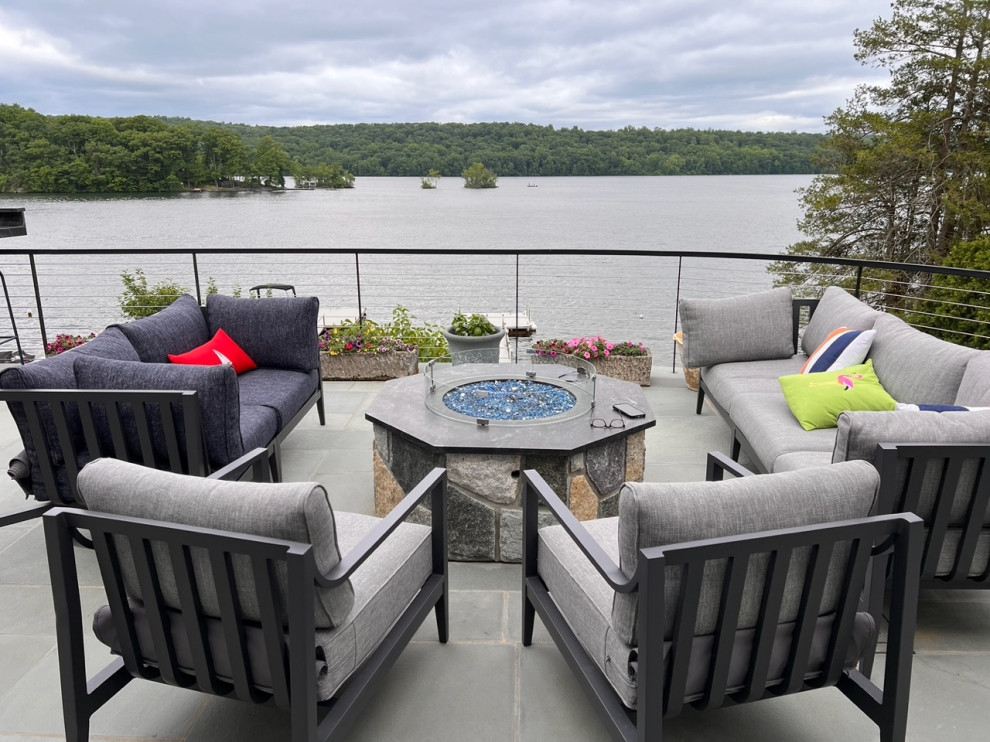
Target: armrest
26, 513
254, 466
719, 463
535, 490
433, 485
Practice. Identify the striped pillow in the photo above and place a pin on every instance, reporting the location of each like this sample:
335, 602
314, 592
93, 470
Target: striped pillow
841, 349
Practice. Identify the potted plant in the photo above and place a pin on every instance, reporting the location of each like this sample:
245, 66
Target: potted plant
364, 351
628, 361
473, 339
64, 341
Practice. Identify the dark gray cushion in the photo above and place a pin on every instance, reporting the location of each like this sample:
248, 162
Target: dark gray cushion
176, 329
284, 391
915, 367
111, 343
216, 387
276, 333
259, 426
297, 511
660, 514
974, 388
837, 308
741, 328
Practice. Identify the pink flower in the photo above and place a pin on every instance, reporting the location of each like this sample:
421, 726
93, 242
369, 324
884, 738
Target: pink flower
587, 355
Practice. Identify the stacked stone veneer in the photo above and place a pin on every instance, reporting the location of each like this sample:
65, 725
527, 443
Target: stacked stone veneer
485, 490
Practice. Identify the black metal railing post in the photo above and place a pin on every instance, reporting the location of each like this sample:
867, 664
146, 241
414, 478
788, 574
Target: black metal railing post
357, 276
195, 262
37, 301
677, 303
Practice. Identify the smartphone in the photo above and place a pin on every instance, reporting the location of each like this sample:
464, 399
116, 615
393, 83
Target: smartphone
628, 410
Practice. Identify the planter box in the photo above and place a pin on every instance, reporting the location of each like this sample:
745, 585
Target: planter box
369, 366
636, 369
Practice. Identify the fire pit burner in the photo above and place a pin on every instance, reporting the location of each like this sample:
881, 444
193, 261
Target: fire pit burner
509, 399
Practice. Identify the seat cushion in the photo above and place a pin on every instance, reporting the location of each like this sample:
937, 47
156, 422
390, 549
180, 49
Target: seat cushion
772, 430
727, 381
282, 390
298, 511
383, 587
660, 514
177, 328
739, 328
837, 308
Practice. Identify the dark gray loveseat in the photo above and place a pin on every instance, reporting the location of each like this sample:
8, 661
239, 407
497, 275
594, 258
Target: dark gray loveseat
225, 415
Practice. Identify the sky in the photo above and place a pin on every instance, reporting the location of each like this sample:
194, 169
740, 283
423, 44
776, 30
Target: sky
752, 65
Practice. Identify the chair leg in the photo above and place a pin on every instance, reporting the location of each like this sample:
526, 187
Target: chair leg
736, 447
321, 410
701, 401
529, 620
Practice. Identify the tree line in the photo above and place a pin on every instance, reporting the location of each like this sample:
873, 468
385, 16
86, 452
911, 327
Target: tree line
77, 154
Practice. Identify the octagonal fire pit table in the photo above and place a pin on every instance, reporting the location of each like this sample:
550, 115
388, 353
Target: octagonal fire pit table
486, 423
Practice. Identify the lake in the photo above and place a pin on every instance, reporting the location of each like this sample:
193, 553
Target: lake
621, 297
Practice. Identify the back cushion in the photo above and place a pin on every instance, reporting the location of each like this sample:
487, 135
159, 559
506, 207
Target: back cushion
859, 433
915, 367
216, 386
276, 333
974, 389
662, 514
111, 343
837, 308
754, 327
176, 329
293, 512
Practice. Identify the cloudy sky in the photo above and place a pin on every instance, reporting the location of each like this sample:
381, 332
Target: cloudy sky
770, 65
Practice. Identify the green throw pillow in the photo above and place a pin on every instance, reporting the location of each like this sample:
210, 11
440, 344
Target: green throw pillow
817, 400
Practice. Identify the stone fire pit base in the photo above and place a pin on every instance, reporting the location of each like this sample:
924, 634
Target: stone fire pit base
485, 490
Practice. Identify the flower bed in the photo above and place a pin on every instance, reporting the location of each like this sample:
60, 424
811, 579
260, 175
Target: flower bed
363, 351
627, 361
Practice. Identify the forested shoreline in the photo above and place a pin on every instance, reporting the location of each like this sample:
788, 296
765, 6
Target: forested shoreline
85, 154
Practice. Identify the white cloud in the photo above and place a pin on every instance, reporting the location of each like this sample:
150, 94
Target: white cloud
754, 64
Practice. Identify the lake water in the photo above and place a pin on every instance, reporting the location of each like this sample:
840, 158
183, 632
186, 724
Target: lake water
620, 297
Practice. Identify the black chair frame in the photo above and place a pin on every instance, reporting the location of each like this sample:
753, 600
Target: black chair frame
289, 649
661, 686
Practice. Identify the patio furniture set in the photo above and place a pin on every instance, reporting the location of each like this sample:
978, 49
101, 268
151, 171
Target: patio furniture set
694, 596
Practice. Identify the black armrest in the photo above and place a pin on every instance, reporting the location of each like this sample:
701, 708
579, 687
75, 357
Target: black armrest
256, 462
26, 513
719, 463
536, 486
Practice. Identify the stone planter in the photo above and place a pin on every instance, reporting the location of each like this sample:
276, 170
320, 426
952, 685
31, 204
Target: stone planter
469, 349
369, 366
636, 369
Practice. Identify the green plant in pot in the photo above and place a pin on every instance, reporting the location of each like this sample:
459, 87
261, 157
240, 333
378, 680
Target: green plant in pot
473, 339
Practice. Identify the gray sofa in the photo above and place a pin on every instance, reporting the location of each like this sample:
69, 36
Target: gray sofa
934, 464
237, 413
743, 345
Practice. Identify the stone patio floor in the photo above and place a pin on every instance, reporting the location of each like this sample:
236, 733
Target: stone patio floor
482, 685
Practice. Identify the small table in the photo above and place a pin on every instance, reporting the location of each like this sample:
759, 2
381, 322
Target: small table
585, 465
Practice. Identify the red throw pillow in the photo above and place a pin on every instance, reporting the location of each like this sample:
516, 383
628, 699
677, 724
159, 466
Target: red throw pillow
221, 350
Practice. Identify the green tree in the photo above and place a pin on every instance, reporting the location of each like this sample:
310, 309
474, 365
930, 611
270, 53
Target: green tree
271, 164
431, 180
332, 176
478, 176
907, 169
224, 155
957, 308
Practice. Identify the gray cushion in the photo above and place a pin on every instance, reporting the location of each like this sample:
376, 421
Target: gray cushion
858, 434
740, 328
178, 328
837, 308
294, 512
974, 388
727, 381
659, 514
276, 333
584, 599
772, 430
284, 391
915, 367
216, 387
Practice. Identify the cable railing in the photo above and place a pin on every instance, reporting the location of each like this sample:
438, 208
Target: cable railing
620, 294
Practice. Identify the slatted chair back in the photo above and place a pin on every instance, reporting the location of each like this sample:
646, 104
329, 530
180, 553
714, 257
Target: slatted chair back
948, 486
69, 428
224, 654
776, 655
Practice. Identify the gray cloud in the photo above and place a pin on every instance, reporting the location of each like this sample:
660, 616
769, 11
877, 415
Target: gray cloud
749, 64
